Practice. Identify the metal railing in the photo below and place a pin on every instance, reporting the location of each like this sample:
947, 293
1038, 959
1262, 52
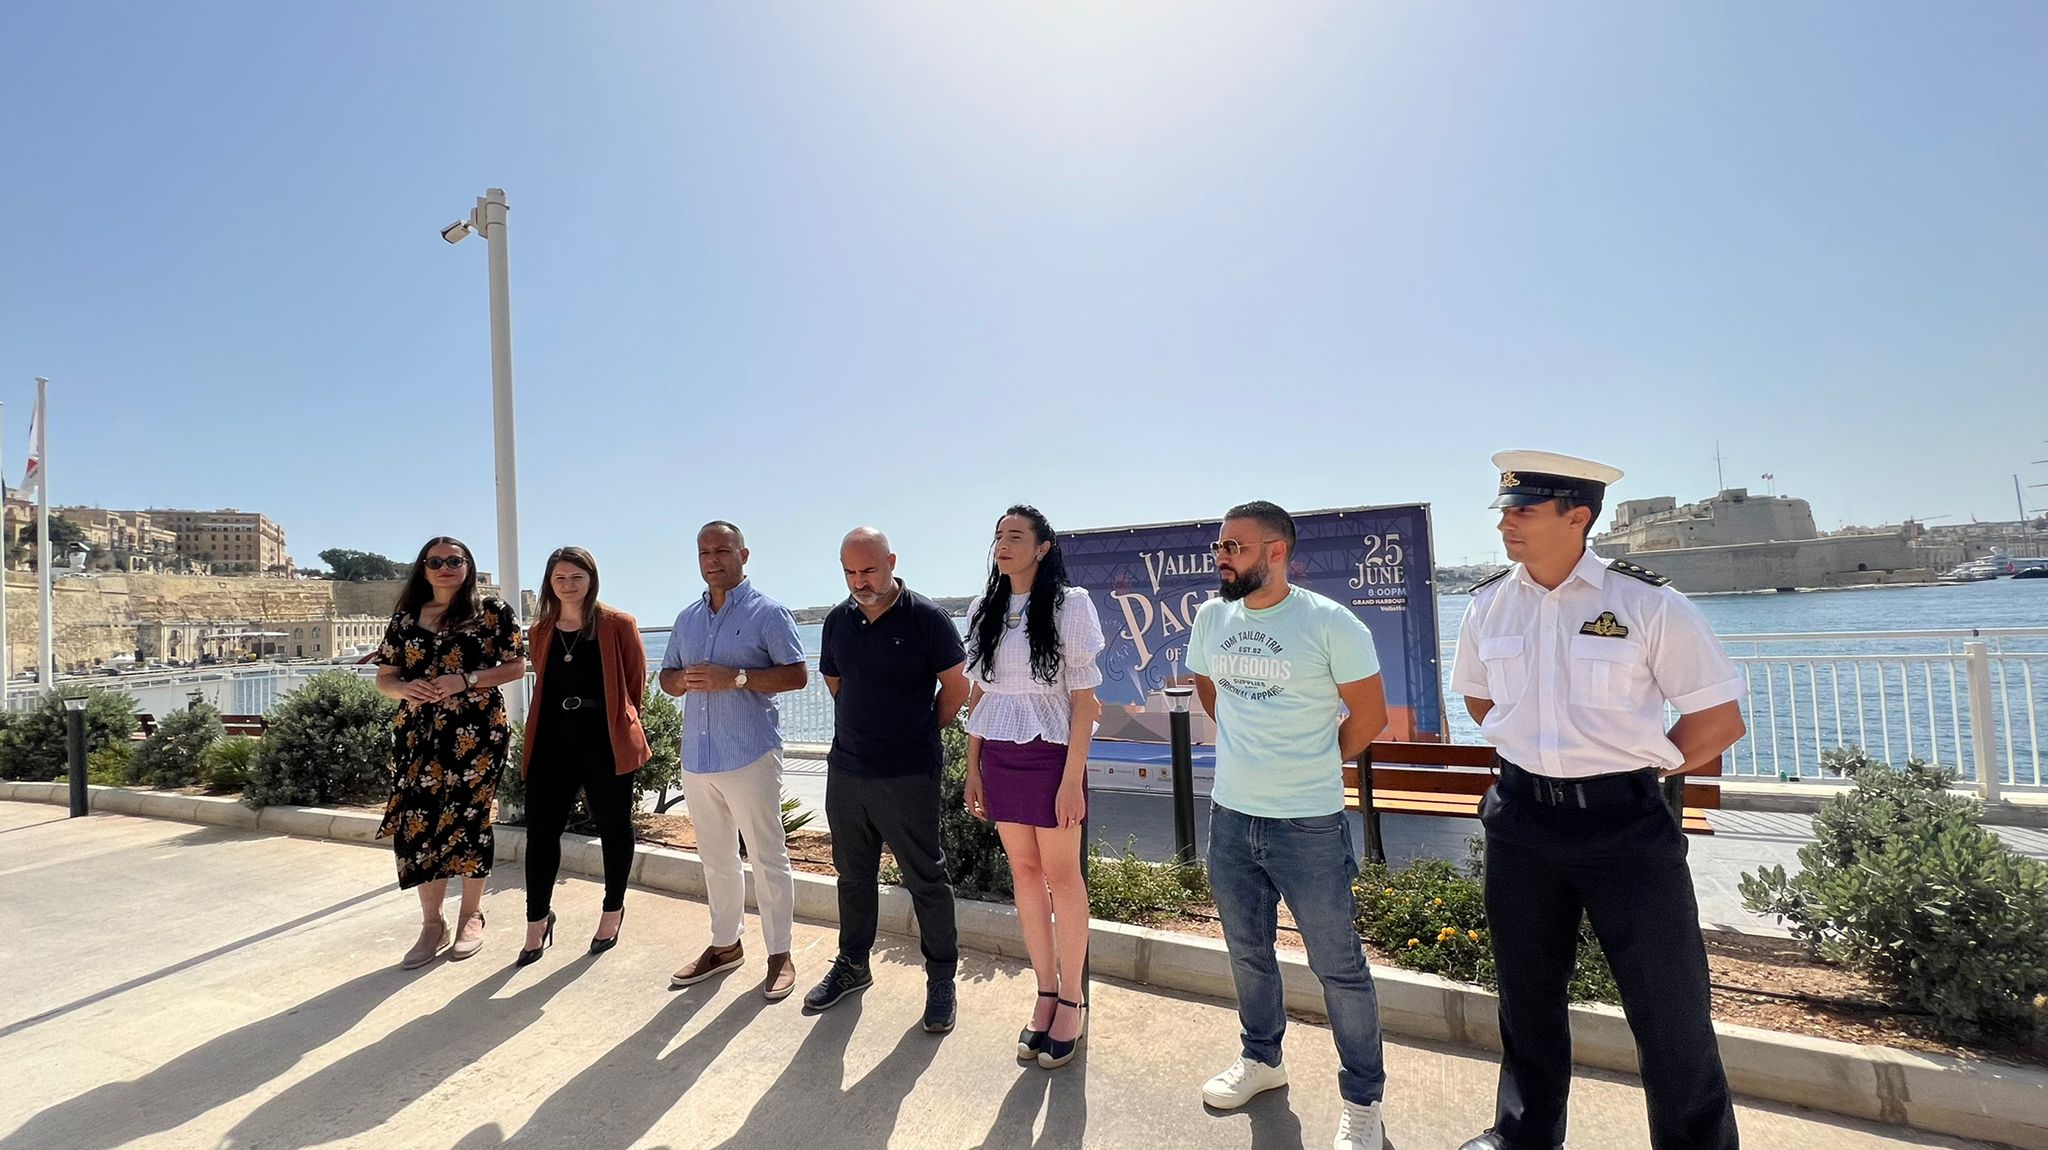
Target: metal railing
1969, 700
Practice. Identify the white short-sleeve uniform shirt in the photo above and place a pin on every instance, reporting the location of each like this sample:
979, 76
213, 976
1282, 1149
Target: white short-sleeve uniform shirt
1579, 675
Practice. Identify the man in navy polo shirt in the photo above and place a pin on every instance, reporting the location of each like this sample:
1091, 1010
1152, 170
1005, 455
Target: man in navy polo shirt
895, 666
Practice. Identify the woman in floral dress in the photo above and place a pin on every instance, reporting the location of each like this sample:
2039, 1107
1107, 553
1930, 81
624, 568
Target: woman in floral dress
444, 657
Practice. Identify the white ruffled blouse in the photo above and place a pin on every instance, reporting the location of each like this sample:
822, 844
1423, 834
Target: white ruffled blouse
1018, 707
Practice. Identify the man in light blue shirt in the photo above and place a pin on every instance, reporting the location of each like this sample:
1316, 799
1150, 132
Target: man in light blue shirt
730, 654
1277, 667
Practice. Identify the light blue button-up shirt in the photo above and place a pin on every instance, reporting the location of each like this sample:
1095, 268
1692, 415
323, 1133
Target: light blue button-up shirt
726, 730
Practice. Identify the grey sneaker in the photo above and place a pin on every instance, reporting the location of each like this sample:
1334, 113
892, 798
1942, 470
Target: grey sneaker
941, 1007
846, 977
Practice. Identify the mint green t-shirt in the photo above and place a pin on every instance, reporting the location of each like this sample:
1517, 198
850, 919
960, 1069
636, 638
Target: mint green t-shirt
1276, 673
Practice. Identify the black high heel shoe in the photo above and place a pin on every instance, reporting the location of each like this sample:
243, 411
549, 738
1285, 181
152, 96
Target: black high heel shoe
529, 957
600, 945
1029, 1041
1057, 1053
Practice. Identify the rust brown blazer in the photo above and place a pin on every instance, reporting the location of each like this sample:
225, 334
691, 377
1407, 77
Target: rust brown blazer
625, 684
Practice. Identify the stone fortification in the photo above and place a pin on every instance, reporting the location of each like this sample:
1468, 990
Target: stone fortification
97, 618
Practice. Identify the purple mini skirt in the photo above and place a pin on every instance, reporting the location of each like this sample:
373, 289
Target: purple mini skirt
1019, 781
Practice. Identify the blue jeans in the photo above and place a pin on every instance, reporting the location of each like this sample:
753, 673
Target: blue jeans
1254, 863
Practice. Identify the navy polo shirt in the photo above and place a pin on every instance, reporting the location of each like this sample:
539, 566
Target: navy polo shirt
888, 672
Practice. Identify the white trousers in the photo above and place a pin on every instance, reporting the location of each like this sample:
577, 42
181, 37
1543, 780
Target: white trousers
723, 807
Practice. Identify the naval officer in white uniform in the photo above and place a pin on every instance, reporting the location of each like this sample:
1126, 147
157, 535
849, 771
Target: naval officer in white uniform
1567, 663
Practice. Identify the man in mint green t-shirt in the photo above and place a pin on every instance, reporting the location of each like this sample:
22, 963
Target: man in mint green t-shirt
1278, 667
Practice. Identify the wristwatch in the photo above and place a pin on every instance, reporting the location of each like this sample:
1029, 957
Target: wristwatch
470, 678
739, 681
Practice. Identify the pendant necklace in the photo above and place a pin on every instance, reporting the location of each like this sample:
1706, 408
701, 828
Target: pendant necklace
1013, 619
569, 646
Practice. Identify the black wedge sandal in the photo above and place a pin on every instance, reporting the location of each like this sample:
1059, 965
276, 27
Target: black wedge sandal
1029, 1041
1057, 1053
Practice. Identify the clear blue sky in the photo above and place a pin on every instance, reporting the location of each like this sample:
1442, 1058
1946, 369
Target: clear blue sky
808, 266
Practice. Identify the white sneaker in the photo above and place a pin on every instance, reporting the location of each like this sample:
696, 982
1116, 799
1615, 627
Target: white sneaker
1244, 1080
1360, 1127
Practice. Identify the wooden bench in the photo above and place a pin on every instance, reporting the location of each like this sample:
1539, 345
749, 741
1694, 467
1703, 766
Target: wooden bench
1448, 780
245, 726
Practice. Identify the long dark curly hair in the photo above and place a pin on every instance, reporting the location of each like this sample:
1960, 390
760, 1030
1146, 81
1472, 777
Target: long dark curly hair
985, 627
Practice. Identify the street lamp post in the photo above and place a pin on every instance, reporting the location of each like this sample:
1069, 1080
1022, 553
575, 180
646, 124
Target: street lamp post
488, 219
74, 724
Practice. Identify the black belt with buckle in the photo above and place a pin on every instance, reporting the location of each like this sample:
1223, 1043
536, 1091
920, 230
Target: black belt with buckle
575, 704
1614, 790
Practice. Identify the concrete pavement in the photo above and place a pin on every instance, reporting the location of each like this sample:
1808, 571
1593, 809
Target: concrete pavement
180, 986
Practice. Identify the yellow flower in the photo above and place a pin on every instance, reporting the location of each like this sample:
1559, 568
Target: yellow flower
1436, 902
1473, 935
1413, 942
1390, 891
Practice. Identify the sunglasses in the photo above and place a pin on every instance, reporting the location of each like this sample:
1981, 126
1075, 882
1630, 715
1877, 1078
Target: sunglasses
1231, 547
453, 562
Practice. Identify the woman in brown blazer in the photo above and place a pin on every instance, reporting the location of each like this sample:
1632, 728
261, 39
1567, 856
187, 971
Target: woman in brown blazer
582, 733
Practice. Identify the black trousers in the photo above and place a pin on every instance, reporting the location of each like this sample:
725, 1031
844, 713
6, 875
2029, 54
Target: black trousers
903, 813
1620, 861
573, 754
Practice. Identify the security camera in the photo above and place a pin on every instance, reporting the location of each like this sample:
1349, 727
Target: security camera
454, 232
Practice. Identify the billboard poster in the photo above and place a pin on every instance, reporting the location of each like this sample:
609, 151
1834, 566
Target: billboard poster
1147, 583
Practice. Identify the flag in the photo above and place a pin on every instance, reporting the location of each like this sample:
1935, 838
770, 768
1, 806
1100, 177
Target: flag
32, 483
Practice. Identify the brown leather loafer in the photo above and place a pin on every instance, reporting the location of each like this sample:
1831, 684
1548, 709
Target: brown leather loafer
781, 977
714, 960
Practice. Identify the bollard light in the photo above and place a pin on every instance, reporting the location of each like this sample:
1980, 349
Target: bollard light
74, 722
1178, 721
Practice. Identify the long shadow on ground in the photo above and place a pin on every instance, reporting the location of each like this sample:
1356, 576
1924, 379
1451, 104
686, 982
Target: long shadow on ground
209, 1075
367, 1087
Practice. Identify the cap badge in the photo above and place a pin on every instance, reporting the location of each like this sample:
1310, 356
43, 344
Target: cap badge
1510, 479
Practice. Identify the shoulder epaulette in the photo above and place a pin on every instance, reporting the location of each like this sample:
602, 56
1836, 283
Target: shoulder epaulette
1496, 577
1624, 567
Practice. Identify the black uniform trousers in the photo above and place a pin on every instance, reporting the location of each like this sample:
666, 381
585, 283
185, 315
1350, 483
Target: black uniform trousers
1611, 849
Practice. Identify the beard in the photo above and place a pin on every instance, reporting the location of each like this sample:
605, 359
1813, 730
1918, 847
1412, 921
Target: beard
1246, 582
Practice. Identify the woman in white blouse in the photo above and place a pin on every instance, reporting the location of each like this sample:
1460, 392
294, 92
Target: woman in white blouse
1031, 647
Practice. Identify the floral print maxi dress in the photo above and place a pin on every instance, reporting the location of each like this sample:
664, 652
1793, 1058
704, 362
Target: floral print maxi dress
446, 756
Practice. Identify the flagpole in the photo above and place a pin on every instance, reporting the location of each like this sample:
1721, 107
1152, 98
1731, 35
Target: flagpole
46, 674
5, 651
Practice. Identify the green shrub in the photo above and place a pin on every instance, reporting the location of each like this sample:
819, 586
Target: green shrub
33, 744
511, 788
1904, 885
1431, 916
329, 742
108, 766
1128, 889
974, 851
225, 765
661, 720
171, 756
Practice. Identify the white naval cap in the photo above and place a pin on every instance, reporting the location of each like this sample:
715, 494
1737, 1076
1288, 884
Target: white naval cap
1540, 476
